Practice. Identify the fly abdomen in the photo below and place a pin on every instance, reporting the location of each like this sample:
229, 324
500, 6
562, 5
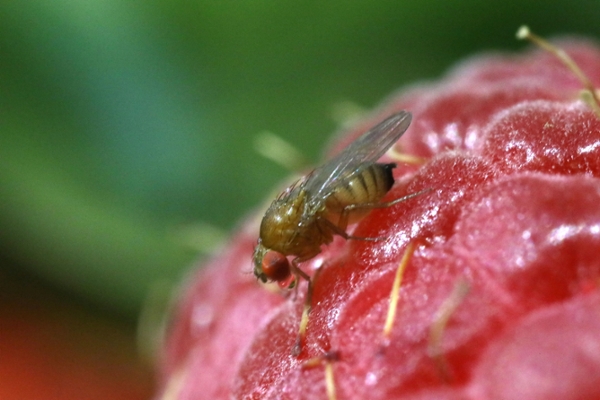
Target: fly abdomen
367, 186
386, 176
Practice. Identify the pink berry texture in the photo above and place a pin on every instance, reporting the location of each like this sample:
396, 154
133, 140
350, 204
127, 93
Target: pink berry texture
513, 159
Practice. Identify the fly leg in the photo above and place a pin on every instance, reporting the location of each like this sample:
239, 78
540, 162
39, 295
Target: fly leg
340, 228
297, 349
349, 208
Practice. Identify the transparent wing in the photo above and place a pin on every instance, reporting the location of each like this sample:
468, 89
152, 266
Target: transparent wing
367, 148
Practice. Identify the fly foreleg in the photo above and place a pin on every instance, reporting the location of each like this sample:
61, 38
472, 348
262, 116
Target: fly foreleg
298, 273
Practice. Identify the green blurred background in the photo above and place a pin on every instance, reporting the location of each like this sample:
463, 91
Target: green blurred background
127, 127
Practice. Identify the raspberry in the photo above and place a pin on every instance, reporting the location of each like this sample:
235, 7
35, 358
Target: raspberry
513, 160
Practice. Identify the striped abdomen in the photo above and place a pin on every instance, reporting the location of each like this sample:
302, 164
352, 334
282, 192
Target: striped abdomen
368, 186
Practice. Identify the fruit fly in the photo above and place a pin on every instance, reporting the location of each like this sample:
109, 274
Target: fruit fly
312, 211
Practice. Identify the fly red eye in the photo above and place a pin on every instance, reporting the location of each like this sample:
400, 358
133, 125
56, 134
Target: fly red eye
276, 266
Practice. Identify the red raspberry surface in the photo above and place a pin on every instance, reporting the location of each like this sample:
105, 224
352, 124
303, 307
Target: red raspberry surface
513, 158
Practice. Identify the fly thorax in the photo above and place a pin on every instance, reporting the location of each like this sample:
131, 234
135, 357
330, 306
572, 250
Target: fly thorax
281, 220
